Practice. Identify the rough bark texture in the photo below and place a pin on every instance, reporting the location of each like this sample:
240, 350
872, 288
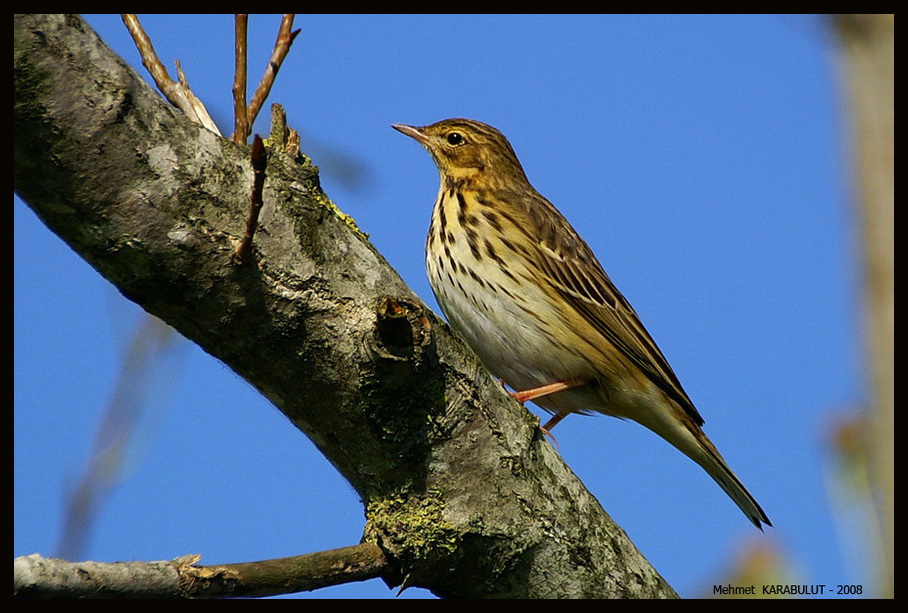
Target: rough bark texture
460, 489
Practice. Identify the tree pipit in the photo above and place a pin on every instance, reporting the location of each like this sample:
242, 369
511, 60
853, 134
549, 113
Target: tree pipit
534, 303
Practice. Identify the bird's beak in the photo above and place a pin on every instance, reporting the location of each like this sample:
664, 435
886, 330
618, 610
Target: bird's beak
413, 132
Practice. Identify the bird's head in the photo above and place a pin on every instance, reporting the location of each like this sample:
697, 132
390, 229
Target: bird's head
464, 149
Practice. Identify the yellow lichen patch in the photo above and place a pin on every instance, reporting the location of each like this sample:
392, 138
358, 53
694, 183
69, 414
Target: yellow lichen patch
414, 524
325, 201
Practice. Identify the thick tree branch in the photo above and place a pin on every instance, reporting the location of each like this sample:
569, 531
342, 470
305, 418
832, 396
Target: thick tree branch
462, 494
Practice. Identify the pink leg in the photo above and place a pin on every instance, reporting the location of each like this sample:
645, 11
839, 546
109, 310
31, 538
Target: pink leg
545, 390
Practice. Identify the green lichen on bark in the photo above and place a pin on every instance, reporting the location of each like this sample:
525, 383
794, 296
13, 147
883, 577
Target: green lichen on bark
411, 526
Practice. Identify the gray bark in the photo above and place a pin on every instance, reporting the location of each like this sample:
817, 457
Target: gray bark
459, 488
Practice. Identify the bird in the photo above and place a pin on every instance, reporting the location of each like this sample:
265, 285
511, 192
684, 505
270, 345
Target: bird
531, 299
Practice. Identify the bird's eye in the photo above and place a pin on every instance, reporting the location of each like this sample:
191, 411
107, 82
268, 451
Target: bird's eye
455, 138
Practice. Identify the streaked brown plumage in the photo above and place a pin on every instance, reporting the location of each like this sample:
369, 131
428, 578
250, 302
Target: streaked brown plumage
531, 299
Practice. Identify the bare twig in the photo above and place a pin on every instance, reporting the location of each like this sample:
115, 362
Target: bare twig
259, 161
241, 125
178, 93
37, 577
285, 38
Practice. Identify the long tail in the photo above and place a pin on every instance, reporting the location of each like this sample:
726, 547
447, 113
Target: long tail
713, 463
690, 439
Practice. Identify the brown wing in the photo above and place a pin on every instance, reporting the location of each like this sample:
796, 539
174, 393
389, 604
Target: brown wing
573, 271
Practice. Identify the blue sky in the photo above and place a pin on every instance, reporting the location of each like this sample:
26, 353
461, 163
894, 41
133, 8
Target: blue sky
703, 159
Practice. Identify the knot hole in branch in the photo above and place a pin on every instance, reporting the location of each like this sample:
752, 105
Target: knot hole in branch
402, 329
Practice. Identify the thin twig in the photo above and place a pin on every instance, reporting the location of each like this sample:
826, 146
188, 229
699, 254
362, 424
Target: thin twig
35, 576
259, 161
288, 575
281, 48
149, 57
177, 93
241, 125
